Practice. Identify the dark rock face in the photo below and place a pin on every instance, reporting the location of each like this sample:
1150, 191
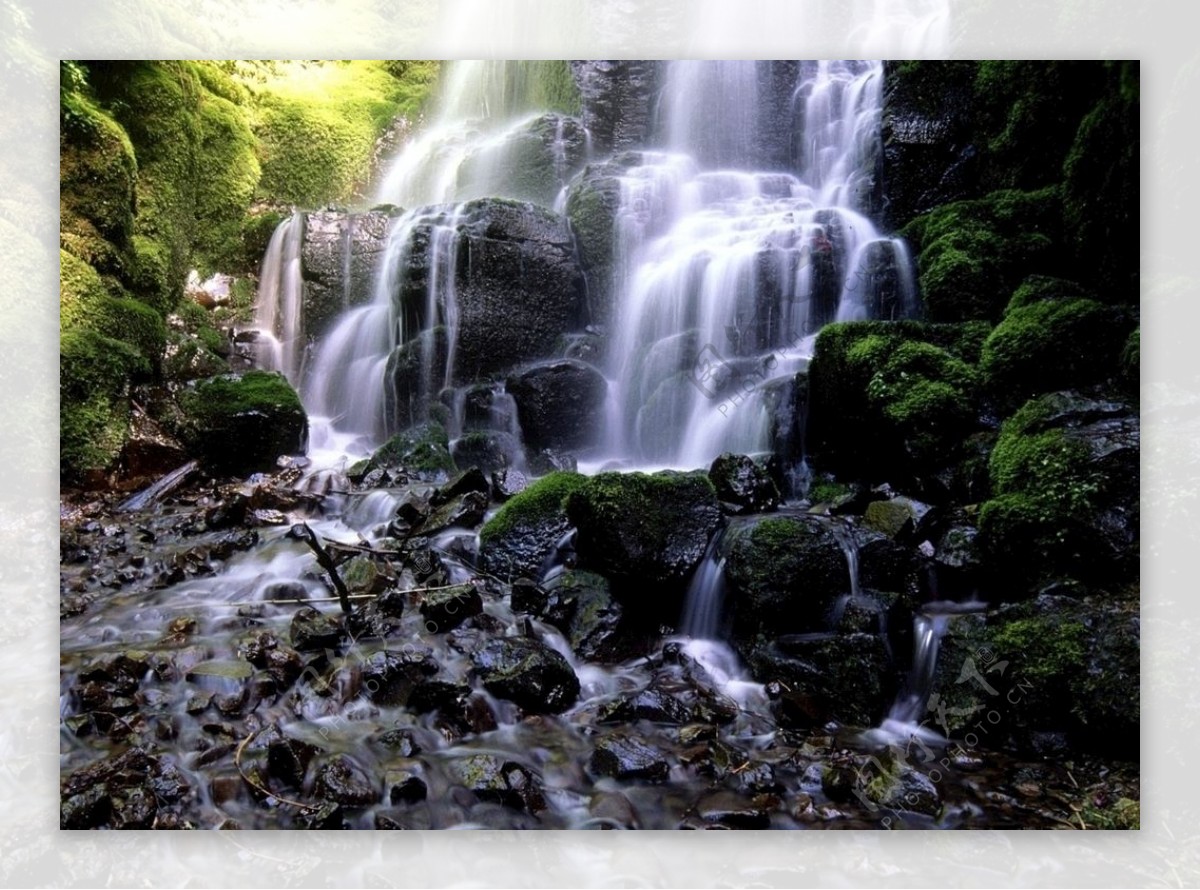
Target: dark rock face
445, 610
490, 451
845, 677
527, 673
342, 780
519, 540
560, 404
928, 158
618, 100
336, 243
743, 485
644, 529
580, 605
627, 758
518, 287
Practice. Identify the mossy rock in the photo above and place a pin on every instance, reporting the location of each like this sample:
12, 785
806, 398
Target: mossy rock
1051, 345
423, 449
784, 573
644, 531
1042, 289
891, 398
97, 171
1064, 471
240, 424
518, 540
85, 303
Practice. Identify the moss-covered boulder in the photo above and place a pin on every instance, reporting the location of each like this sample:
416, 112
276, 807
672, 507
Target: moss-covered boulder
888, 399
645, 532
241, 423
528, 673
1056, 665
1052, 344
422, 450
784, 573
524, 534
1065, 476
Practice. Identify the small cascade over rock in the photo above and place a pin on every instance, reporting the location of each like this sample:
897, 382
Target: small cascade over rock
278, 312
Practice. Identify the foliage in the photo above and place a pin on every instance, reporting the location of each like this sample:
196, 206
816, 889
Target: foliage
94, 373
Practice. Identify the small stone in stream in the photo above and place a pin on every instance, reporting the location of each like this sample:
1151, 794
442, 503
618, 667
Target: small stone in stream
445, 610
343, 781
508, 482
182, 627
233, 542
732, 811
697, 732
227, 513
401, 741
288, 760
231, 705
225, 788
612, 809
900, 518
407, 819
464, 511
838, 780
471, 480
88, 809
362, 576
434, 695
266, 517
413, 509
311, 630
528, 673
503, 782
328, 816
284, 666
649, 704
626, 758
136, 809
197, 702
405, 786
378, 618
528, 597
757, 778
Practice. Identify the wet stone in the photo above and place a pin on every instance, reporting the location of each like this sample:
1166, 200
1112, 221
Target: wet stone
527, 673
504, 782
400, 741
405, 786
730, 810
445, 610
649, 704
627, 758
288, 760
311, 630
343, 781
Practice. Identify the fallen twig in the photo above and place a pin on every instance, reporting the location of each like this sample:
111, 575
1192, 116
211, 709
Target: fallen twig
237, 762
303, 532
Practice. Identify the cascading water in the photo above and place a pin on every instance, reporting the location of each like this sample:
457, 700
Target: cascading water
278, 312
724, 276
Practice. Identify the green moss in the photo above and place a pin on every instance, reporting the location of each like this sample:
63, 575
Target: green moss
94, 374
891, 396
973, 253
1043, 463
1041, 289
542, 500
318, 123
423, 448
238, 394
1026, 114
1125, 814
1051, 345
639, 501
97, 170
85, 304
1046, 651
230, 173
825, 491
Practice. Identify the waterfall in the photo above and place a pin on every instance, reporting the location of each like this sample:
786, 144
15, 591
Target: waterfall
724, 275
348, 388
705, 598
277, 313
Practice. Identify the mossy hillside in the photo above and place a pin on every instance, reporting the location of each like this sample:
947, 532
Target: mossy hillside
972, 254
85, 303
317, 125
1042, 289
95, 373
1051, 345
1101, 189
544, 500
1026, 117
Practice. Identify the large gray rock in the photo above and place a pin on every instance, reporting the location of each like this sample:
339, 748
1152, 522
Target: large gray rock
618, 100
339, 261
560, 404
518, 286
